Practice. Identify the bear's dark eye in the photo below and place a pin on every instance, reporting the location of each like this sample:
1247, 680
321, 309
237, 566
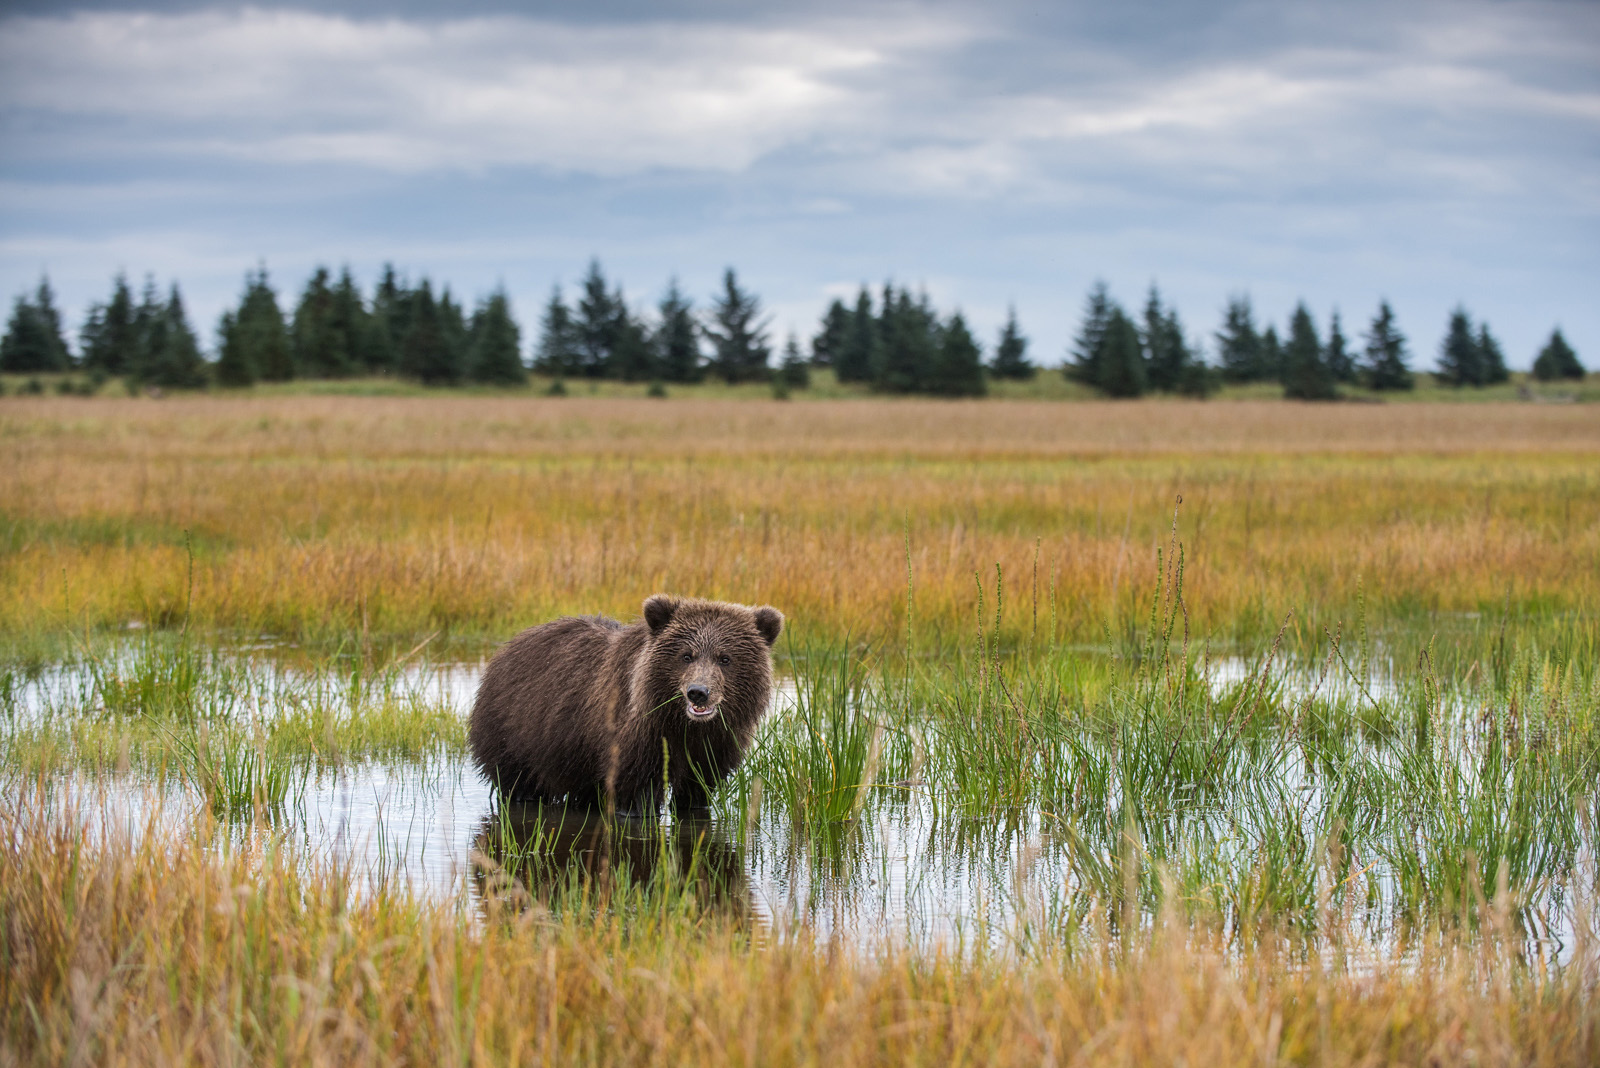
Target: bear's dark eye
688, 658
724, 660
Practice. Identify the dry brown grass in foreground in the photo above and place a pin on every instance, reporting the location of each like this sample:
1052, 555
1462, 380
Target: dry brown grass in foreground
153, 951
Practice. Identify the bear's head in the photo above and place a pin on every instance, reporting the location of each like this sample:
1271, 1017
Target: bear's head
709, 657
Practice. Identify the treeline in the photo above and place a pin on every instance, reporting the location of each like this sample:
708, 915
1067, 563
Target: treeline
891, 341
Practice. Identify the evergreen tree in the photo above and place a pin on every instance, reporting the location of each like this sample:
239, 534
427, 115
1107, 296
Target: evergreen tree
1460, 360
1491, 357
559, 351
906, 343
495, 345
633, 358
1557, 360
854, 361
1088, 348
1385, 366
172, 357
1011, 352
1341, 364
738, 337
1305, 375
599, 316
321, 348
1167, 355
232, 369
831, 340
109, 343
33, 339
1271, 355
1121, 360
388, 323
1239, 347
425, 352
793, 371
263, 339
677, 339
957, 369
453, 322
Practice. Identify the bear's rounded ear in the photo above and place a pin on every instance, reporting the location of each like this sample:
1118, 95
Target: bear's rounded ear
659, 610
769, 623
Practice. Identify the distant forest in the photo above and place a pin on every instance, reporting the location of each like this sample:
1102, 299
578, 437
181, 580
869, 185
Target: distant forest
888, 340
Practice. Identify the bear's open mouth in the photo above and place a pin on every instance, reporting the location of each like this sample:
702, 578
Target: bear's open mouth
698, 712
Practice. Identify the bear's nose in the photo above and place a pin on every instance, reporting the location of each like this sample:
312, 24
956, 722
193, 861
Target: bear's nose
698, 695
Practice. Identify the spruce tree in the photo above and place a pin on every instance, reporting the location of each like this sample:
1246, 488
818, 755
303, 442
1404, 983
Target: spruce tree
1460, 361
957, 369
598, 318
233, 369
830, 340
172, 358
495, 345
1491, 357
677, 338
633, 358
1386, 367
559, 352
1341, 364
1239, 350
33, 339
906, 343
1557, 360
425, 352
854, 361
1011, 352
108, 339
737, 333
388, 322
1305, 374
1167, 355
319, 349
1089, 346
1271, 356
793, 371
262, 333
1120, 363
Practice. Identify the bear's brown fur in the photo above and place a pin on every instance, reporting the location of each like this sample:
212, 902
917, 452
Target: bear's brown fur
580, 707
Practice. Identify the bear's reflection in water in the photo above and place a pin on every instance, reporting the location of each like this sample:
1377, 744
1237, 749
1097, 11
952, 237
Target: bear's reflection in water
528, 852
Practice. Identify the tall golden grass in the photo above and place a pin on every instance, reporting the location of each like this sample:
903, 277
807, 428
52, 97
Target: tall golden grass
313, 517
139, 949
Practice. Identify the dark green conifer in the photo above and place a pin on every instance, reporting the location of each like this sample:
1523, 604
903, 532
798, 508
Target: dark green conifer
495, 347
1460, 360
109, 343
599, 316
854, 361
1271, 355
425, 352
793, 371
559, 351
1341, 364
388, 323
677, 338
172, 357
262, 336
1305, 374
1167, 355
737, 333
1491, 357
633, 358
322, 345
906, 343
1239, 346
1011, 352
33, 339
957, 369
831, 340
1121, 360
1557, 360
1088, 348
1386, 367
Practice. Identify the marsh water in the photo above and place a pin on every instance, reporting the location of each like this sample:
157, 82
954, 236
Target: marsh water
908, 862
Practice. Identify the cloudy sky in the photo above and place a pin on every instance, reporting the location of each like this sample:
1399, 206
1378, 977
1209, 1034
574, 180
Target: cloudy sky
993, 154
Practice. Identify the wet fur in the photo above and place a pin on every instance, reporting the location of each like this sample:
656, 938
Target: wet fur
580, 707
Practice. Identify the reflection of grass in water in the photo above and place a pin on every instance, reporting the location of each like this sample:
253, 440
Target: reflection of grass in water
127, 948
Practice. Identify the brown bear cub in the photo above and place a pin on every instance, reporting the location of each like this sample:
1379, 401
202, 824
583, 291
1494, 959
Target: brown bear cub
580, 707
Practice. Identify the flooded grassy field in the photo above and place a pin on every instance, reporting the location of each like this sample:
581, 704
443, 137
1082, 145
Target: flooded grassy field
1301, 767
